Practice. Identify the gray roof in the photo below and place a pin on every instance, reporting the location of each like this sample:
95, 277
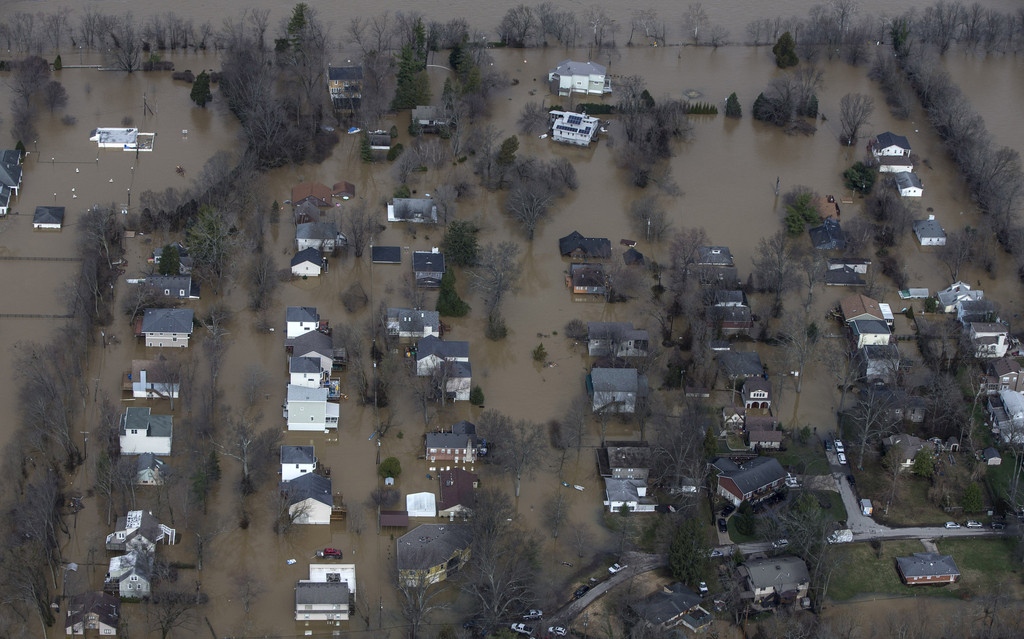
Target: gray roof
633, 257
741, 364
929, 227
167, 320
173, 283
623, 489
297, 455
449, 440
428, 261
615, 380
302, 364
316, 231
715, 256
726, 296
756, 474
321, 592
589, 246
621, 331
843, 276
990, 453
149, 461
106, 607
48, 215
298, 393
623, 455
828, 236
386, 254
430, 545
906, 180
869, 327
431, 345
312, 342
412, 320
308, 486
301, 314
667, 604
141, 418
569, 67
426, 112
310, 254
345, 73
927, 564
414, 208
881, 352
780, 573
891, 139
10, 168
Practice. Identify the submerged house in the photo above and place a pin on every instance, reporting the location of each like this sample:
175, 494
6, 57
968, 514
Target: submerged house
588, 78
616, 390
432, 552
573, 128
909, 185
412, 209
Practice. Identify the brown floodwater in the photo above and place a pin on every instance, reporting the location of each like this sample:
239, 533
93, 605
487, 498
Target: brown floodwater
726, 175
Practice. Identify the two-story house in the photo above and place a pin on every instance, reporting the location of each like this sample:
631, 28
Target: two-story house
413, 323
786, 577
309, 498
93, 612
345, 86
296, 461
757, 394
891, 152
178, 287
752, 481
308, 409
139, 529
428, 268
616, 390
1004, 373
300, 320
431, 553
617, 339
578, 247
129, 576
166, 327
456, 492
869, 332
322, 236
418, 210
587, 78
457, 445
328, 594
989, 339
306, 371
573, 128
448, 363
152, 379
625, 460
140, 432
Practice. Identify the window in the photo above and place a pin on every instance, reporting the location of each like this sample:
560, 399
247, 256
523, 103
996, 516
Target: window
167, 291
181, 292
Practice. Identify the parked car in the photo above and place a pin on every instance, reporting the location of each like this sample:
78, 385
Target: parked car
522, 628
780, 543
852, 480
728, 509
973, 524
842, 458
723, 525
829, 446
952, 524
715, 552
533, 614
614, 568
839, 446
558, 631
582, 590
702, 588
998, 525
330, 553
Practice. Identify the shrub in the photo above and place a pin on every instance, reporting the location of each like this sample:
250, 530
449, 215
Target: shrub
476, 396
785, 51
395, 151
540, 354
390, 467
449, 304
732, 106
701, 108
496, 328
403, 191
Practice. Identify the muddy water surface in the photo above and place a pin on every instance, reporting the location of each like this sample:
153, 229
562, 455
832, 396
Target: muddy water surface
726, 175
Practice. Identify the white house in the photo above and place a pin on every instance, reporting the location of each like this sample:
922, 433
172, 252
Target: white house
309, 498
126, 139
588, 78
448, 363
989, 339
618, 339
631, 493
616, 390
407, 322
313, 344
48, 217
167, 327
321, 601
323, 236
889, 144
10, 177
929, 232
308, 409
129, 575
956, 293
300, 320
142, 432
305, 371
573, 128
870, 332
307, 263
97, 612
296, 461
909, 185
139, 530
412, 209
152, 379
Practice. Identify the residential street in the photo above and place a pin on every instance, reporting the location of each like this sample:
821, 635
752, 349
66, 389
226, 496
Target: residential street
636, 563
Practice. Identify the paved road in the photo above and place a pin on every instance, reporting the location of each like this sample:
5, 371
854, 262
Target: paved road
636, 563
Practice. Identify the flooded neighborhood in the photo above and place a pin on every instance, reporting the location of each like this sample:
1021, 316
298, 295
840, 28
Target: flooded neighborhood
471, 319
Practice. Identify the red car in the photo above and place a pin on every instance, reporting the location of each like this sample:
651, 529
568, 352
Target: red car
330, 553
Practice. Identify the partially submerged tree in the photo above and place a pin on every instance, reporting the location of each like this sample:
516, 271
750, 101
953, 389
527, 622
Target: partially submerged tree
523, 444
855, 110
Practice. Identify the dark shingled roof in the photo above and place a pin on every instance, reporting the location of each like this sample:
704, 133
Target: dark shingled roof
666, 605
431, 345
167, 320
589, 246
430, 545
321, 592
456, 489
741, 364
308, 255
927, 564
386, 254
394, 518
888, 139
297, 455
308, 486
344, 73
756, 473
828, 236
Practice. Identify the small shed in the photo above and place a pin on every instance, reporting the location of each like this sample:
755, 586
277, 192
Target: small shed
991, 457
866, 508
386, 254
421, 505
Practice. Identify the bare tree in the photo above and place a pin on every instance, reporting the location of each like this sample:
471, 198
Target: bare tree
528, 204
253, 450
420, 598
695, 20
523, 444
958, 250
556, 510
518, 27
855, 110
168, 610
248, 587
28, 77
800, 337
254, 381
125, 43
872, 417
649, 218
496, 274
534, 118
776, 265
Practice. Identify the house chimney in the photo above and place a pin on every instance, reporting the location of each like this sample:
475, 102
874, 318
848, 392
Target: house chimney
931, 217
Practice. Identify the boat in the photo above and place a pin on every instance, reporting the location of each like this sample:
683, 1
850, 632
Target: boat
565, 483
353, 129
577, 487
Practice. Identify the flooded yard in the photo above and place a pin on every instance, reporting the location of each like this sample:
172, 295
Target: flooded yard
726, 177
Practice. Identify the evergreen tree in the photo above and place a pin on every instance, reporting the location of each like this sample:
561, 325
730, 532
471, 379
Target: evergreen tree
761, 109
460, 243
710, 443
971, 500
449, 304
732, 106
924, 464
201, 94
785, 51
390, 467
412, 86
57, 63
688, 552
170, 260
507, 152
476, 396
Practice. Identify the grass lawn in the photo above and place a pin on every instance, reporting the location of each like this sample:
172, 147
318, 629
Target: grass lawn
804, 459
837, 510
983, 563
862, 571
736, 536
911, 506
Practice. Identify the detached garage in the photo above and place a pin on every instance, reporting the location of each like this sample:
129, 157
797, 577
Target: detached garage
48, 217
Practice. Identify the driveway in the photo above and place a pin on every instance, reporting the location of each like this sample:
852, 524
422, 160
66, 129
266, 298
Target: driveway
636, 563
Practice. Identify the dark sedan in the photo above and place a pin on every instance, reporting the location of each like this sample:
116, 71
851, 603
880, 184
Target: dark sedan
723, 525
